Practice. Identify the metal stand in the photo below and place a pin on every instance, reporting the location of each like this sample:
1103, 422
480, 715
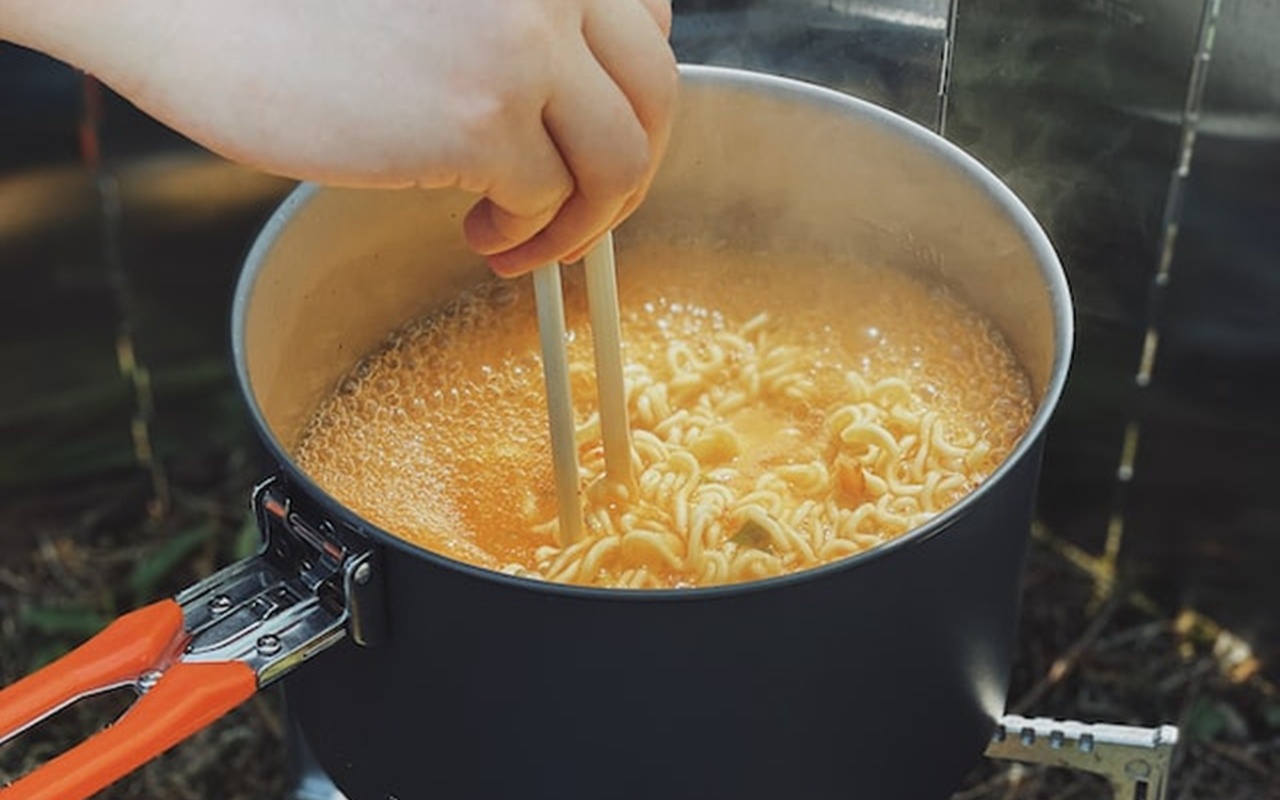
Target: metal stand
1135, 760
307, 780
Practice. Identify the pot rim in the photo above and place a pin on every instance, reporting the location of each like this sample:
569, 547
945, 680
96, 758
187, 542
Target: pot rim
1047, 263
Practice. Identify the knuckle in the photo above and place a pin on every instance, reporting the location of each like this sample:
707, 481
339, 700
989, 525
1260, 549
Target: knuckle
560, 195
487, 116
661, 12
543, 200
511, 227
561, 237
663, 15
627, 168
666, 89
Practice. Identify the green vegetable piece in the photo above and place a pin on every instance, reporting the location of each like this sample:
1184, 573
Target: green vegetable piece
754, 535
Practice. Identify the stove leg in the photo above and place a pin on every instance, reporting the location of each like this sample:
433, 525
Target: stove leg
1135, 760
307, 781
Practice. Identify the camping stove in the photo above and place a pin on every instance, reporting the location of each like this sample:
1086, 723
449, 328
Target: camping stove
1134, 760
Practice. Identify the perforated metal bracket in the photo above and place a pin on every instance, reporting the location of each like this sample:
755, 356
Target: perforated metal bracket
1135, 760
309, 587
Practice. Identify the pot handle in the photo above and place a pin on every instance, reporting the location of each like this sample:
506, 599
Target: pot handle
197, 656
116, 656
132, 650
187, 698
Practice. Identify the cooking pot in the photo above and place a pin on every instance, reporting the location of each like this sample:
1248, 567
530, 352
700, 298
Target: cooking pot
878, 676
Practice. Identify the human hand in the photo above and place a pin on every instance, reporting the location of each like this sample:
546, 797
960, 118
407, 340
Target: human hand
556, 112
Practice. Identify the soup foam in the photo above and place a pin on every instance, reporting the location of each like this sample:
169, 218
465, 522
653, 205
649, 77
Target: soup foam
785, 414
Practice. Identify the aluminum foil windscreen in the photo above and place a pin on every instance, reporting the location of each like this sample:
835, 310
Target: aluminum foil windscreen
887, 51
1145, 135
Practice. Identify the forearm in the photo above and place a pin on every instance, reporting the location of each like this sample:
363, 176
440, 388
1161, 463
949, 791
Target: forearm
111, 39
556, 111
189, 64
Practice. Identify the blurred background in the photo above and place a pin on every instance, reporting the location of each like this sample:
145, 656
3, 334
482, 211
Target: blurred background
1144, 134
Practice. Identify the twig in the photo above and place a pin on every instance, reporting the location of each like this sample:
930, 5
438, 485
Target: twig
1241, 758
1071, 791
14, 581
1064, 664
1135, 634
267, 712
996, 781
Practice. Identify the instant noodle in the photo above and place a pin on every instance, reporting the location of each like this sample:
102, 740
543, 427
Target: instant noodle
776, 427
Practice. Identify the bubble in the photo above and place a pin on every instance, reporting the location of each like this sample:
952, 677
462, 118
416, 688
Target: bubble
466, 416
503, 295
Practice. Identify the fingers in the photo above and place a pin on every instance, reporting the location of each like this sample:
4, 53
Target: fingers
660, 10
641, 63
534, 185
644, 68
610, 119
607, 151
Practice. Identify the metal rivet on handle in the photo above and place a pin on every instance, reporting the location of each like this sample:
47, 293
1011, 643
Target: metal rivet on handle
220, 604
363, 574
148, 680
269, 645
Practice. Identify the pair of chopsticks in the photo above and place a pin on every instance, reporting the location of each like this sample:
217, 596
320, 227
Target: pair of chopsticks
606, 337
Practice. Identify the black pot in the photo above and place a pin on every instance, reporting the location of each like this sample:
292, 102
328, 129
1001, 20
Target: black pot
880, 676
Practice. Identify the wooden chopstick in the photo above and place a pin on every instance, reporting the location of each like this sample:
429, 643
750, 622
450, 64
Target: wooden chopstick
555, 371
606, 337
